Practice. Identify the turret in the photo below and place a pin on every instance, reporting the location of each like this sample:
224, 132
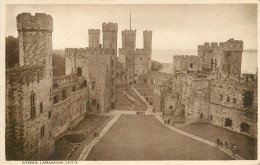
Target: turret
94, 38
110, 36
147, 39
129, 39
35, 40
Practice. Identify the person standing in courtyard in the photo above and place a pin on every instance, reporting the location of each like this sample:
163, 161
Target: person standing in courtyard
221, 143
218, 142
226, 144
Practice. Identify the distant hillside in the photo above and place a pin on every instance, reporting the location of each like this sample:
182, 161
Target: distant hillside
60, 52
162, 67
58, 62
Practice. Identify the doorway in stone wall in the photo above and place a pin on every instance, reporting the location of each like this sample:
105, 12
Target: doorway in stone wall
97, 106
244, 127
112, 106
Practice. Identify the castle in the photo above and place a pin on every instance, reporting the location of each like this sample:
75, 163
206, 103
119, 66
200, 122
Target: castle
40, 107
209, 88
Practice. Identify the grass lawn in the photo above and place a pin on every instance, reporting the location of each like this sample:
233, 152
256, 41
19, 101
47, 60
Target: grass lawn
246, 146
143, 137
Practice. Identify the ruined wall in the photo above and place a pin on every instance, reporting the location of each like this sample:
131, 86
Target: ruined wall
76, 59
187, 63
197, 106
225, 57
227, 101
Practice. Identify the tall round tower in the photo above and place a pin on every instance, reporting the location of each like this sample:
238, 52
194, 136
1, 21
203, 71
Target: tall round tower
110, 36
94, 38
35, 40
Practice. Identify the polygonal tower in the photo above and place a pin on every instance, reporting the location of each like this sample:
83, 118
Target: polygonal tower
94, 38
35, 40
129, 39
147, 37
231, 59
110, 36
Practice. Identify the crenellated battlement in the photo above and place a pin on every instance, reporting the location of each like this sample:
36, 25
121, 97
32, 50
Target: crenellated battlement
109, 27
184, 57
87, 51
126, 32
94, 31
99, 51
39, 21
147, 33
142, 52
230, 45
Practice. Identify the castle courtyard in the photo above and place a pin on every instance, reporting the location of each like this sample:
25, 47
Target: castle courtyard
143, 137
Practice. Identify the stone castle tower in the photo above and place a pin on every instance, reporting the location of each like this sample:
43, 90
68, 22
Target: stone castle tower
147, 40
94, 38
110, 36
129, 39
28, 91
35, 40
224, 58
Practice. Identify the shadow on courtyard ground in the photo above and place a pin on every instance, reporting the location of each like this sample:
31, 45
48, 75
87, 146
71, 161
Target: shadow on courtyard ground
246, 146
143, 137
64, 150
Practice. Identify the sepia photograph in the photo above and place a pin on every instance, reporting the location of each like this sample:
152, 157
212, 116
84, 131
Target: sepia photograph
120, 82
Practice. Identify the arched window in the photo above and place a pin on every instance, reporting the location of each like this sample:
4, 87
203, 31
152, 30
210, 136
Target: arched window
64, 95
244, 127
79, 71
191, 65
85, 83
228, 122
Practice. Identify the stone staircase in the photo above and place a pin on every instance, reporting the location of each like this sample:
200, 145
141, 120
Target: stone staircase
128, 98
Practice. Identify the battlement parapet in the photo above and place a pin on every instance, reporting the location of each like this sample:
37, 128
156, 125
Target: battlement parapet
94, 31
127, 32
109, 27
147, 33
229, 45
140, 52
232, 45
185, 57
41, 21
88, 51
99, 51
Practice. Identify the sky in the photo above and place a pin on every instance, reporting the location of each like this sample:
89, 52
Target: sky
174, 26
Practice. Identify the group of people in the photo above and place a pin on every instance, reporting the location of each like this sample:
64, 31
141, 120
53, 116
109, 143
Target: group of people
225, 144
167, 121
